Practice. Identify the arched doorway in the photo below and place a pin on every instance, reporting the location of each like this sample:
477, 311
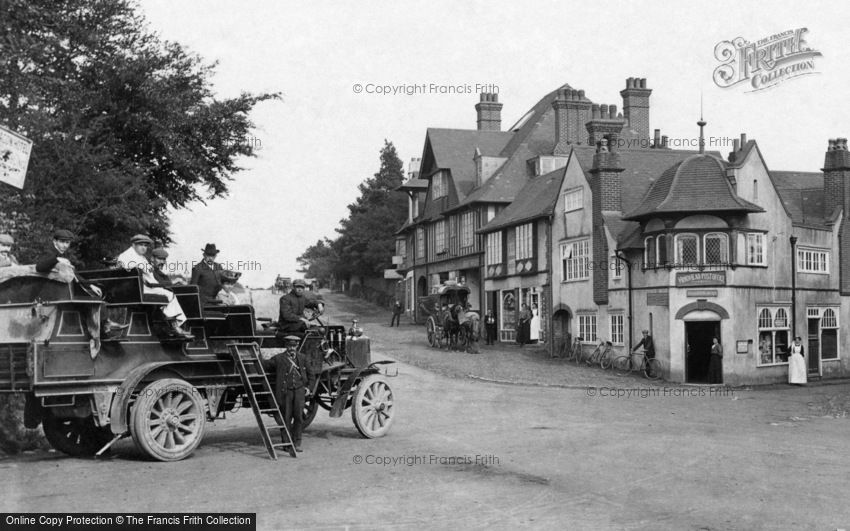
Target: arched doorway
561, 326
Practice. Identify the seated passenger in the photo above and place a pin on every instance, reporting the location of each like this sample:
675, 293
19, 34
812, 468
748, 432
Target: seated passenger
56, 262
6, 257
158, 257
135, 258
228, 282
291, 319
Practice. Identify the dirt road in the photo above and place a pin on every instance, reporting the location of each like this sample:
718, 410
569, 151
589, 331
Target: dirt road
470, 454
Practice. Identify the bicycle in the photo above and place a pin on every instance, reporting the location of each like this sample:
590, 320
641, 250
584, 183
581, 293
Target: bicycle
603, 354
577, 352
650, 367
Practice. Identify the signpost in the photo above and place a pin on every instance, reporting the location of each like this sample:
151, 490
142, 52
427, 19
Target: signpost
14, 157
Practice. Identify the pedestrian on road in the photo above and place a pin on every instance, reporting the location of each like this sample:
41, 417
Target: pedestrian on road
797, 363
715, 363
534, 324
490, 325
524, 328
396, 314
293, 385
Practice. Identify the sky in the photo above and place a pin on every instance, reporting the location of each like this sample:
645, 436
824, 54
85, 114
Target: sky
329, 59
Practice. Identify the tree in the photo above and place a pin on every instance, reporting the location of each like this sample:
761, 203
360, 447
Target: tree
367, 237
124, 125
319, 261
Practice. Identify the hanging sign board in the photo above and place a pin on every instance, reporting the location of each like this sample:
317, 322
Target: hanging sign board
14, 157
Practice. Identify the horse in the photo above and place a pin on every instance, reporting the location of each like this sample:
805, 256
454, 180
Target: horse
451, 326
472, 326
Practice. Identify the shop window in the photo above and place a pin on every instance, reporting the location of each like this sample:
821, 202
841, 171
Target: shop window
773, 334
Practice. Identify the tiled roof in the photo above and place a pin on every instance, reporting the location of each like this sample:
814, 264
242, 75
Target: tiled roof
535, 137
802, 195
453, 149
696, 184
536, 199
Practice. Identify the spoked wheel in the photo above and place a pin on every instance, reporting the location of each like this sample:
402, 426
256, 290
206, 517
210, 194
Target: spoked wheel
606, 361
373, 407
168, 419
653, 369
74, 436
622, 365
434, 335
311, 406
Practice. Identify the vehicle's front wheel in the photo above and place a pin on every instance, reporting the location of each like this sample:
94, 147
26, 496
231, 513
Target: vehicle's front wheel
168, 419
373, 407
77, 437
431, 328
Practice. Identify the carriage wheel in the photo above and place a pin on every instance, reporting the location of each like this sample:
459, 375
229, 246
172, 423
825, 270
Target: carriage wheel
168, 419
435, 333
74, 436
373, 407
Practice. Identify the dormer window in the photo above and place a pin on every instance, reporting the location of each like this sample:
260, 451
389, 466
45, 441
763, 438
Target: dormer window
439, 185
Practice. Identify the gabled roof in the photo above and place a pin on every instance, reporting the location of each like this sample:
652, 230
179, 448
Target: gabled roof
453, 150
696, 184
536, 199
535, 136
802, 195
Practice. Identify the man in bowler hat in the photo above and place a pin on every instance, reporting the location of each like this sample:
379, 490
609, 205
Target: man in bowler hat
207, 274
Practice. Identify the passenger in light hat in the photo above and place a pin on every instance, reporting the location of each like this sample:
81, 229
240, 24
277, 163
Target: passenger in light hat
6, 257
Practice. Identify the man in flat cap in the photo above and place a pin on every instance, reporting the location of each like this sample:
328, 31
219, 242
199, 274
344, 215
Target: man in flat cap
6, 257
207, 274
293, 383
291, 319
158, 258
135, 257
57, 254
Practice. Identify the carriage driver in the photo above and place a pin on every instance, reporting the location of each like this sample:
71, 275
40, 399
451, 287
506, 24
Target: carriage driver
136, 258
291, 319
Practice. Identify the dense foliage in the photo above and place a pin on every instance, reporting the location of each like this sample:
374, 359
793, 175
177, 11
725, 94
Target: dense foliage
124, 125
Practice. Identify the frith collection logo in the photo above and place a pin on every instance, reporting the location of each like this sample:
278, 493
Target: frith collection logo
764, 63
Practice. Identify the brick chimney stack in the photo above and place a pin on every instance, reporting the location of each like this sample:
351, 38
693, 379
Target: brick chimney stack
636, 106
604, 123
836, 192
572, 111
606, 187
489, 112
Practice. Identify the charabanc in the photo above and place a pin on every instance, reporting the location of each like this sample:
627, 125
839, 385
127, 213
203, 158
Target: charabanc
89, 387
444, 309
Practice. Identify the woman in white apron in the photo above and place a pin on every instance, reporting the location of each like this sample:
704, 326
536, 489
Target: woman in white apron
797, 363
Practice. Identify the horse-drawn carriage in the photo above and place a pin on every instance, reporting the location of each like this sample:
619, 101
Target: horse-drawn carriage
89, 387
449, 321
281, 285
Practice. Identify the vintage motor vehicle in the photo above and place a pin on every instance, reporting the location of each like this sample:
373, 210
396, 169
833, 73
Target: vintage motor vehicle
88, 391
442, 307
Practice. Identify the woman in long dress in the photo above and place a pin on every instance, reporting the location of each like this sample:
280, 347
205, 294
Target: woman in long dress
797, 363
715, 362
